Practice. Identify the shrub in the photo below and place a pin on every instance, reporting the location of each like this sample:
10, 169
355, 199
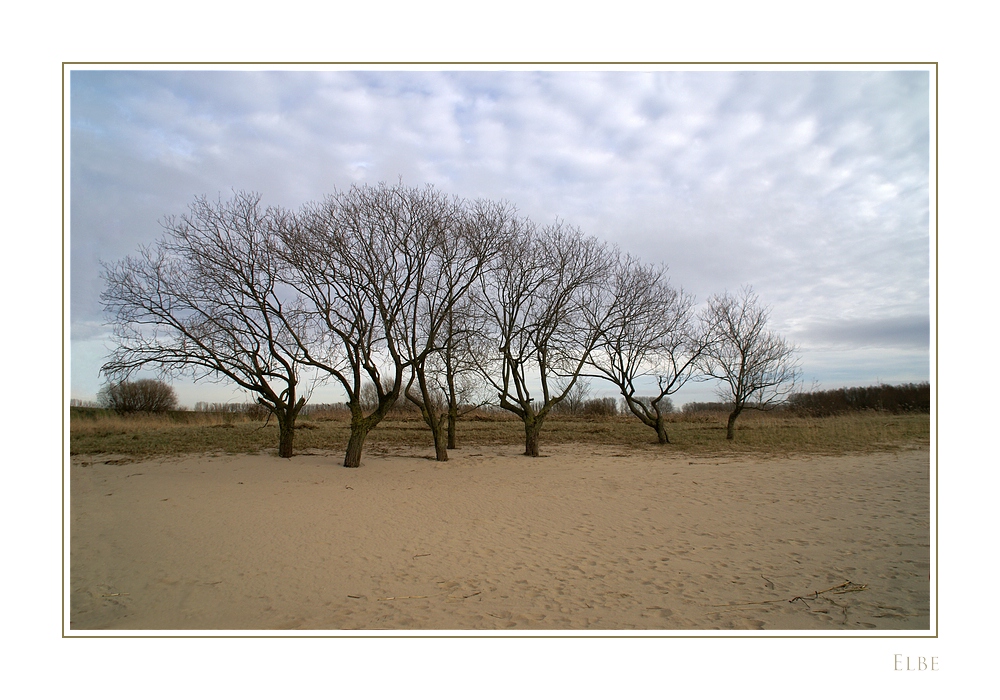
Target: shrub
902, 398
140, 396
606, 406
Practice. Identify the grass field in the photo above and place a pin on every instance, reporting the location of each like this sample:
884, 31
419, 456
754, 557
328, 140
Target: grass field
781, 433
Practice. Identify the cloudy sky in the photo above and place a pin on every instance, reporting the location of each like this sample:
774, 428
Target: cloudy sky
811, 186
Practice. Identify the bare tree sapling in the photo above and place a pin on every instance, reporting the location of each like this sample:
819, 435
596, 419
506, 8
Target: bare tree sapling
648, 334
756, 367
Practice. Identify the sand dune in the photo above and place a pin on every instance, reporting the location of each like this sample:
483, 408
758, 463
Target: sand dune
588, 538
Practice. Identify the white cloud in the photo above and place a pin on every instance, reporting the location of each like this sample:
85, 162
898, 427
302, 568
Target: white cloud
812, 186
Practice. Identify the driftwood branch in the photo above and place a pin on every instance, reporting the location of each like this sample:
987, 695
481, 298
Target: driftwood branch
845, 587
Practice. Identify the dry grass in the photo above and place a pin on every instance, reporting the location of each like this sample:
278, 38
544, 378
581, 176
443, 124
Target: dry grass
94, 432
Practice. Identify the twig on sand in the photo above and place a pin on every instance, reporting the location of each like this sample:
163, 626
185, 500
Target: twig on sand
845, 587
411, 597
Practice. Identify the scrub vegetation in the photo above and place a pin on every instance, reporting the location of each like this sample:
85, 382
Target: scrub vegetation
778, 433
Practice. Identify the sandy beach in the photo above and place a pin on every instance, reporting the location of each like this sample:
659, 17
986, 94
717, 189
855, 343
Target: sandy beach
586, 538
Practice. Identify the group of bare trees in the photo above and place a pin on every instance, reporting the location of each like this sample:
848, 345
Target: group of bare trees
395, 292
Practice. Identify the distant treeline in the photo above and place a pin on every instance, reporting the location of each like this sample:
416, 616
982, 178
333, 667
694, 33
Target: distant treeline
589, 408
901, 398
253, 411
706, 407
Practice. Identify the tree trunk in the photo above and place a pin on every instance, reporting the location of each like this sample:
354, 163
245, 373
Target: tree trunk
661, 431
355, 444
731, 426
452, 421
531, 431
286, 436
438, 432
452, 409
285, 414
656, 421
440, 445
434, 421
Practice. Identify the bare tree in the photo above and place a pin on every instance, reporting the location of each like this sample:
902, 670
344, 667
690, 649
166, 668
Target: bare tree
455, 367
359, 261
468, 238
757, 367
576, 399
140, 396
207, 300
649, 333
370, 395
538, 297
